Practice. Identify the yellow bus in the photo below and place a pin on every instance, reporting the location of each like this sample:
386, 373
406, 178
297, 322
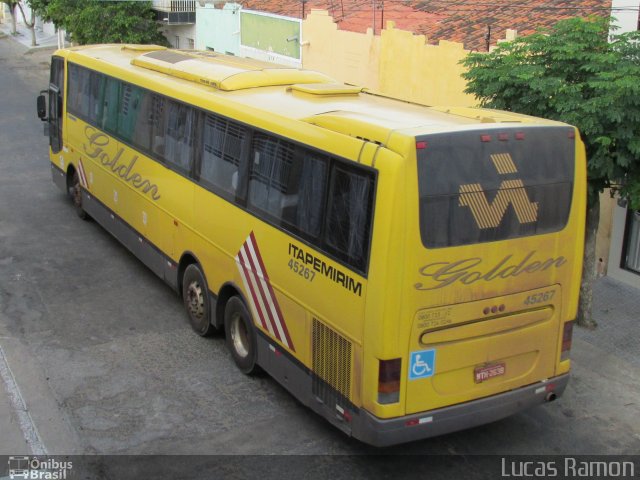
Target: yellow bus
403, 270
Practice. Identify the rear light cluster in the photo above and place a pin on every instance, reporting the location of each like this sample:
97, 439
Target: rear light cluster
503, 137
389, 381
494, 309
567, 335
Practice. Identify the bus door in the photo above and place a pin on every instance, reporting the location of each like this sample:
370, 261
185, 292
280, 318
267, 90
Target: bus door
56, 94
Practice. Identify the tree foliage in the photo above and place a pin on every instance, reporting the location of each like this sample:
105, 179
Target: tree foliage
577, 73
97, 21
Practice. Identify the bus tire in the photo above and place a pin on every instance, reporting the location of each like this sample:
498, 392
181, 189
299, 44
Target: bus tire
241, 336
195, 295
76, 196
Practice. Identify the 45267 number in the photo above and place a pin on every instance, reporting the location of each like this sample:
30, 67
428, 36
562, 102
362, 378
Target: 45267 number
539, 297
301, 270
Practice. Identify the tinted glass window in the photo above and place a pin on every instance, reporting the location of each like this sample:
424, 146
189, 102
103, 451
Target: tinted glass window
78, 102
56, 102
158, 124
349, 214
178, 138
110, 105
86, 89
474, 191
310, 180
133, 116
95, 93
271, 168
221, 153
288, 182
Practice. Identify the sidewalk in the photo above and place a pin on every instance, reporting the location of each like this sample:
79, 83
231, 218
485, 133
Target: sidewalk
616, 308
23, 36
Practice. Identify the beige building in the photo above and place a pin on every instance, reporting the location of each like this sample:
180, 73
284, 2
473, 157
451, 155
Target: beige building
618, 247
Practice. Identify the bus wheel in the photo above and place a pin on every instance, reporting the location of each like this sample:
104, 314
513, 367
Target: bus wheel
76, 196
195, 294
241, 336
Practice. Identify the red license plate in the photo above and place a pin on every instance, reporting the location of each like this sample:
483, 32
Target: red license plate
482, 374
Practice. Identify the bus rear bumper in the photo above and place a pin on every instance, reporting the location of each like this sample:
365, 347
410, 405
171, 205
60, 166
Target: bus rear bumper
381, 432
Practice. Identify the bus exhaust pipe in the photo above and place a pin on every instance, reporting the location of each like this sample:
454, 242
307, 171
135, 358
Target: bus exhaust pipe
551, 397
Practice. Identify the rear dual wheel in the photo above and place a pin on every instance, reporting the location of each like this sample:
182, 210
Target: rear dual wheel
240, 333
241, 336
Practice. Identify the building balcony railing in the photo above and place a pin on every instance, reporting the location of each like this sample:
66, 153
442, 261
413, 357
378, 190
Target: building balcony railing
175, 12
174, 5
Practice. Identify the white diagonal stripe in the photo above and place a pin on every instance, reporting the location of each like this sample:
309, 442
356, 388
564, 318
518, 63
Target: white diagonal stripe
252, 304
254, 283
267, 293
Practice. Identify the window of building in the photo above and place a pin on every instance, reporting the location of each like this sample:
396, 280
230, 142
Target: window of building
631, 246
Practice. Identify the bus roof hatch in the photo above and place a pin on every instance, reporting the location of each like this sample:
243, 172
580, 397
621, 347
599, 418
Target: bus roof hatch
224, 72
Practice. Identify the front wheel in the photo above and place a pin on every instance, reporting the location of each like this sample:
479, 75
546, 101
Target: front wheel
75, 192
195, 294
241, 336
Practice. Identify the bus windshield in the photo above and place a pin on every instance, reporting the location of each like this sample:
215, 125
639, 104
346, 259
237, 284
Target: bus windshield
479, 187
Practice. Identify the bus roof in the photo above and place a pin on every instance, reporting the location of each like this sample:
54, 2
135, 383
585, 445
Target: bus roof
296, 94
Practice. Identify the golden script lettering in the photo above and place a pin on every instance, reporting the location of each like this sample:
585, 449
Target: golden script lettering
94, 149
468, 271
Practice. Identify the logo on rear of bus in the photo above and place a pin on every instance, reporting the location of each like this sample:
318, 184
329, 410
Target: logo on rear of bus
510, 192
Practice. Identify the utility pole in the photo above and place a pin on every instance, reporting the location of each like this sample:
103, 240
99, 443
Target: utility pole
373, 7
487, 37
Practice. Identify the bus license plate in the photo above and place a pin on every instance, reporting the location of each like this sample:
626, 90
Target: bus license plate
485, 373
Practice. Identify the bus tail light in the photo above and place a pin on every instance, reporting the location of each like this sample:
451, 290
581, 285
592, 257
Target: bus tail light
389, 381
567, 335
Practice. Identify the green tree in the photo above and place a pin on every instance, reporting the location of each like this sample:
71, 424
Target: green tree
30, 24
577, 73
12, 4
96, 21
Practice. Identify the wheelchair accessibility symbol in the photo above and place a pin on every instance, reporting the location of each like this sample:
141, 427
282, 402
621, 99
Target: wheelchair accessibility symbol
422, 364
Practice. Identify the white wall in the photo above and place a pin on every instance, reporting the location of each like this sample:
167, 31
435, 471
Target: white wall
627, 20
183, 31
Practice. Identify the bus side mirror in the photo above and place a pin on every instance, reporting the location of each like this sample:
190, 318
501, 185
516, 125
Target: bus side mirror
42, 107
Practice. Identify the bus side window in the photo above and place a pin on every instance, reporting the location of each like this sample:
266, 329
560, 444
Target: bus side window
178, 137
221, 153
95, 95
78, 101
349, 214
109, 121
157, 119
270, 169
133, 116
309, 183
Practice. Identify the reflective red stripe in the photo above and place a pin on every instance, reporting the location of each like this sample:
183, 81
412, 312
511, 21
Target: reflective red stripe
262, 295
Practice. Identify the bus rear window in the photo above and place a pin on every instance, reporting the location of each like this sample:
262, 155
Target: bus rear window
484, 186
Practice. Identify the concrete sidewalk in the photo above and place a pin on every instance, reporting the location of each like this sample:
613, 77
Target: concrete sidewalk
616, 308
23, 36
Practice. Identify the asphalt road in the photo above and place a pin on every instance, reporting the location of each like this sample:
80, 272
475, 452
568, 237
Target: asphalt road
104, 359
